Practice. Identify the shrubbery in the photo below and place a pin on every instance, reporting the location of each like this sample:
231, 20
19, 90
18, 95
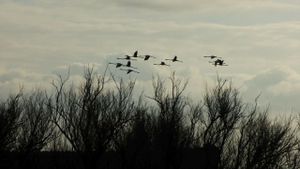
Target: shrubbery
96, 121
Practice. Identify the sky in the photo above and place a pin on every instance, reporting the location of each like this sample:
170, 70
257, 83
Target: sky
258, 39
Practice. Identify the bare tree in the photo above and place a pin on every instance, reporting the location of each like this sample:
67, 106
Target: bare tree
91, 117
37, 129
222, 112
170, 132
133, 144
194, 119
10, 111
100, 118
263, 143
224, 109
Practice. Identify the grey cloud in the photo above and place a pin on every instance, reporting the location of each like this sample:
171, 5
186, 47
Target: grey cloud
154, 5
180, 5
21, 75
75, 68
12, 80
266, 79
279, 87
10, 75
55, 35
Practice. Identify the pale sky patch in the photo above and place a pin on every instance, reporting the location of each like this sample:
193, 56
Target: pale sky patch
259, 40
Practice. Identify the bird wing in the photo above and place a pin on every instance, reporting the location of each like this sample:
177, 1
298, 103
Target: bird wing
135, 53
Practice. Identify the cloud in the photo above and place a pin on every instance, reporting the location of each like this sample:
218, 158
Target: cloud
279, 87
41, 38
187, 5
13, 80
77, 68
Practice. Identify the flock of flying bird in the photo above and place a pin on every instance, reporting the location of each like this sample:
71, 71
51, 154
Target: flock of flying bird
215, 60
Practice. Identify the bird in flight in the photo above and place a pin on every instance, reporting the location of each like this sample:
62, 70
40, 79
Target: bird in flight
117, 64
175, 59
130, 70
129, 65
147, 57
135, 55
219, 62
212, 57
162, 64
127, 57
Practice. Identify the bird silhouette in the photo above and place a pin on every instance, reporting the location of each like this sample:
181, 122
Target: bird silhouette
212, 57
174, 59
129, 65
219, 62
135, 55
162, 64
117, 64
147, 57
127, 57
129, 70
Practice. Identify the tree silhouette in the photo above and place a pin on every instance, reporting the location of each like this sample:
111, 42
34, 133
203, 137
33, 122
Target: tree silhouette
10, 111
263, 143
100, 125
134, 143
170, 132
222, 112
90, 118
37, 129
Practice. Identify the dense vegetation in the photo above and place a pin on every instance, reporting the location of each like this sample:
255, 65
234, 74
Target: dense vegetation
95, 121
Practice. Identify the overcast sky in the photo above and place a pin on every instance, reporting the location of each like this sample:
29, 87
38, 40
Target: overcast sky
259, 40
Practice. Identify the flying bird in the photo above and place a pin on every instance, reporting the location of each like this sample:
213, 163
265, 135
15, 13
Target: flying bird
219, 62
127, 57
147, 57
212, 57
129, 65
174, 59
117, 64
135, 55
162, 64
129, 70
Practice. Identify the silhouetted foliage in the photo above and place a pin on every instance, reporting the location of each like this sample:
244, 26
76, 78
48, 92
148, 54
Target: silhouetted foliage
100, 125
89, 117
37, 129
263, 143
171, 134
10, 111
134, 143
223, 110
